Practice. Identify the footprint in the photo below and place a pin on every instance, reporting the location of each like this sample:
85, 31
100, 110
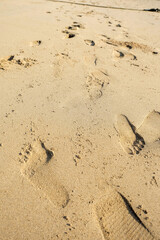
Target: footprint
150, 128
6, 62
96, 82
62, 61
89, 42
35, 43
123, 54
118, 25
69, 34
25, 62
75, 26
118, 220
90, 59
127, 44
72, 28
130, 140
38, 170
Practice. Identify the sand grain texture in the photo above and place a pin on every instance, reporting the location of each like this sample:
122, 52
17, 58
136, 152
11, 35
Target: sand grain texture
79, 107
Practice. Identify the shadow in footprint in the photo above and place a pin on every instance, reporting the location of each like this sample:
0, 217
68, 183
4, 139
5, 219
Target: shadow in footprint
89, 42
131, 211
117, 219
131, 141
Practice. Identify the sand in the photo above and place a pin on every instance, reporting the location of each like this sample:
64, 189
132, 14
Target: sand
80, 120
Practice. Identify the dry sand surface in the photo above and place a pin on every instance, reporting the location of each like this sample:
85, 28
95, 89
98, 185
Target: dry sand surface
80, 120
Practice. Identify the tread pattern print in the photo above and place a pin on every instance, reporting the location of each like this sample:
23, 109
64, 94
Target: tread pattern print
117, 219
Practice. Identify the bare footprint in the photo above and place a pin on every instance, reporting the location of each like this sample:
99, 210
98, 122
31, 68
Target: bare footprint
90, 59
150, 128
62, 61
37, 169
35, 43
96, 82
6, 62
118, 220
130, 140
25, 62
126, 44
69, 34
75, 26
123, 54
89, 42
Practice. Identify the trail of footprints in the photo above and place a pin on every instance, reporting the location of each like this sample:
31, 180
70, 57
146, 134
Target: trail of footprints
69, 30
115, 216
112, 211
118, 48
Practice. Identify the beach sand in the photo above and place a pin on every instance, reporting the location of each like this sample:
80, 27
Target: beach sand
80, 121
